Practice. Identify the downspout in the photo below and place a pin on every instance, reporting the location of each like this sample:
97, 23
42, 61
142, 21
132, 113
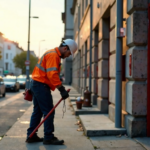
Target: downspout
79, 42
148, 76
118, 89
91, 28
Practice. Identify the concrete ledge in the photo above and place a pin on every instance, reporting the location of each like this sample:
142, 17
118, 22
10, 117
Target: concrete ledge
99, 125
136, 127
74, 95
102, 105
85, 110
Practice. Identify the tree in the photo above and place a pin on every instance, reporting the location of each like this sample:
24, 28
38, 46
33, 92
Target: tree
0, 55
19, 61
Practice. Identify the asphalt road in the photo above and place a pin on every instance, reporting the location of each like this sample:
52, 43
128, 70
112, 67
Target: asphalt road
12, 107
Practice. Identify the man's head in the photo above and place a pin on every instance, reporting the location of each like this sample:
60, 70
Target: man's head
67, 48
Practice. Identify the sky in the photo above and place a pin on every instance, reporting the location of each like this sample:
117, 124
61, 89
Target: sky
49, 26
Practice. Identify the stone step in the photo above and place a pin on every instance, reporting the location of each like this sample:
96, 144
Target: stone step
99, 125
74, 95
85, 110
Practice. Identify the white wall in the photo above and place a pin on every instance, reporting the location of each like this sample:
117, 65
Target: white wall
2, 51
10, 51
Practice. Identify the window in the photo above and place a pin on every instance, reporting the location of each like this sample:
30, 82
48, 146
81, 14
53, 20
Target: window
6, 66
6, 55
8, 47
10, 66
86, 4
79, 17
82, 8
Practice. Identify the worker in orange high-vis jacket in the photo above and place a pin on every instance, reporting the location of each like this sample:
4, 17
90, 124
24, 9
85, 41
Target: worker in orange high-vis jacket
45, 77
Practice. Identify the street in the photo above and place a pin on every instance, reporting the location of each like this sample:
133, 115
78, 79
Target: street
11, 109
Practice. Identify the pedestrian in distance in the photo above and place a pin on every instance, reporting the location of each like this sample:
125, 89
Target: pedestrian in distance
45, 78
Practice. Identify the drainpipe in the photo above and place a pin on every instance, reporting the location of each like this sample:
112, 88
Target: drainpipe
148, 76
118, 89
79, 42
91, 28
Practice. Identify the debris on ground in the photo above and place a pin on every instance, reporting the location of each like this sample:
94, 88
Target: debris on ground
118, 135
80, 125
80, 129
78, 122
70, 105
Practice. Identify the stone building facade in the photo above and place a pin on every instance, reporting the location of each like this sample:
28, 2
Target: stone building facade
103, 70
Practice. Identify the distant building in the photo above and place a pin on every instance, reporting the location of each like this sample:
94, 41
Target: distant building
67, 19
33, 53
1, 53
11, 49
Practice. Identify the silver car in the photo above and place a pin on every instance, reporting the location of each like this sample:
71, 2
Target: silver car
22, 81
2, 87
11, 83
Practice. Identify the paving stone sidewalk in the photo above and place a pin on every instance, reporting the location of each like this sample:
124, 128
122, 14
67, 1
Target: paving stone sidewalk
65, 129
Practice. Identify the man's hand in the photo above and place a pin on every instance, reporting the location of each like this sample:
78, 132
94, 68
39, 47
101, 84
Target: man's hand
63, 92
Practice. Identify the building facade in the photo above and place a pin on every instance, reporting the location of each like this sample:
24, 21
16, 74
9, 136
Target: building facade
11, 49
32, 53
1, 53
103, 59
67, 19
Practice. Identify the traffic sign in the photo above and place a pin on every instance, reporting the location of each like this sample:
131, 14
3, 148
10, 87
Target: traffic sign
27, 62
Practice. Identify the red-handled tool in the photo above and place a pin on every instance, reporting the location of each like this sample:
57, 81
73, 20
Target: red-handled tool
30, 136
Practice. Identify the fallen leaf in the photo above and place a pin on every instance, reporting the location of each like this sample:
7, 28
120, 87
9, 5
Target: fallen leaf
80, 129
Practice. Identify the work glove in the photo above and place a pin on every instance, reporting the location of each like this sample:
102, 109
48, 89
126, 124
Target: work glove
63, 92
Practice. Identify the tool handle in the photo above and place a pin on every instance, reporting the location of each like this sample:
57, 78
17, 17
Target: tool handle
30, 136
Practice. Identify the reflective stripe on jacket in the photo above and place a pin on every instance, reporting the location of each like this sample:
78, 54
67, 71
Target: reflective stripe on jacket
48, 68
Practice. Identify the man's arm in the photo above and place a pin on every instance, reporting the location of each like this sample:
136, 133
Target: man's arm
62, 91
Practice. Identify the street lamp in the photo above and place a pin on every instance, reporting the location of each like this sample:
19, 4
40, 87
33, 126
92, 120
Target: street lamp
28, 52
39, 46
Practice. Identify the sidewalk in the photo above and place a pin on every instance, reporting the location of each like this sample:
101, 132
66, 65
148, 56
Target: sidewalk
65, 129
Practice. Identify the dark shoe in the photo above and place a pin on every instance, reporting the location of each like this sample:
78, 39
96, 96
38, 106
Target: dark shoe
34, 139
53, 141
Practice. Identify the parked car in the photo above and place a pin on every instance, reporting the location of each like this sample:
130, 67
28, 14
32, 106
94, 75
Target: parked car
61, 77
11, 83
2, 87
22, 81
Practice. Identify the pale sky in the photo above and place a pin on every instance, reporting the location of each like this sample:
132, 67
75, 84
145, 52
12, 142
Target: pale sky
49, 26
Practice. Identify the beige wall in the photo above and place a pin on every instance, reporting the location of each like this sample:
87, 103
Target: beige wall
85, 29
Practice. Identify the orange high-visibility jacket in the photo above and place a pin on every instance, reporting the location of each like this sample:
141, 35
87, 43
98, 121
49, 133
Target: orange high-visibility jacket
48, 68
